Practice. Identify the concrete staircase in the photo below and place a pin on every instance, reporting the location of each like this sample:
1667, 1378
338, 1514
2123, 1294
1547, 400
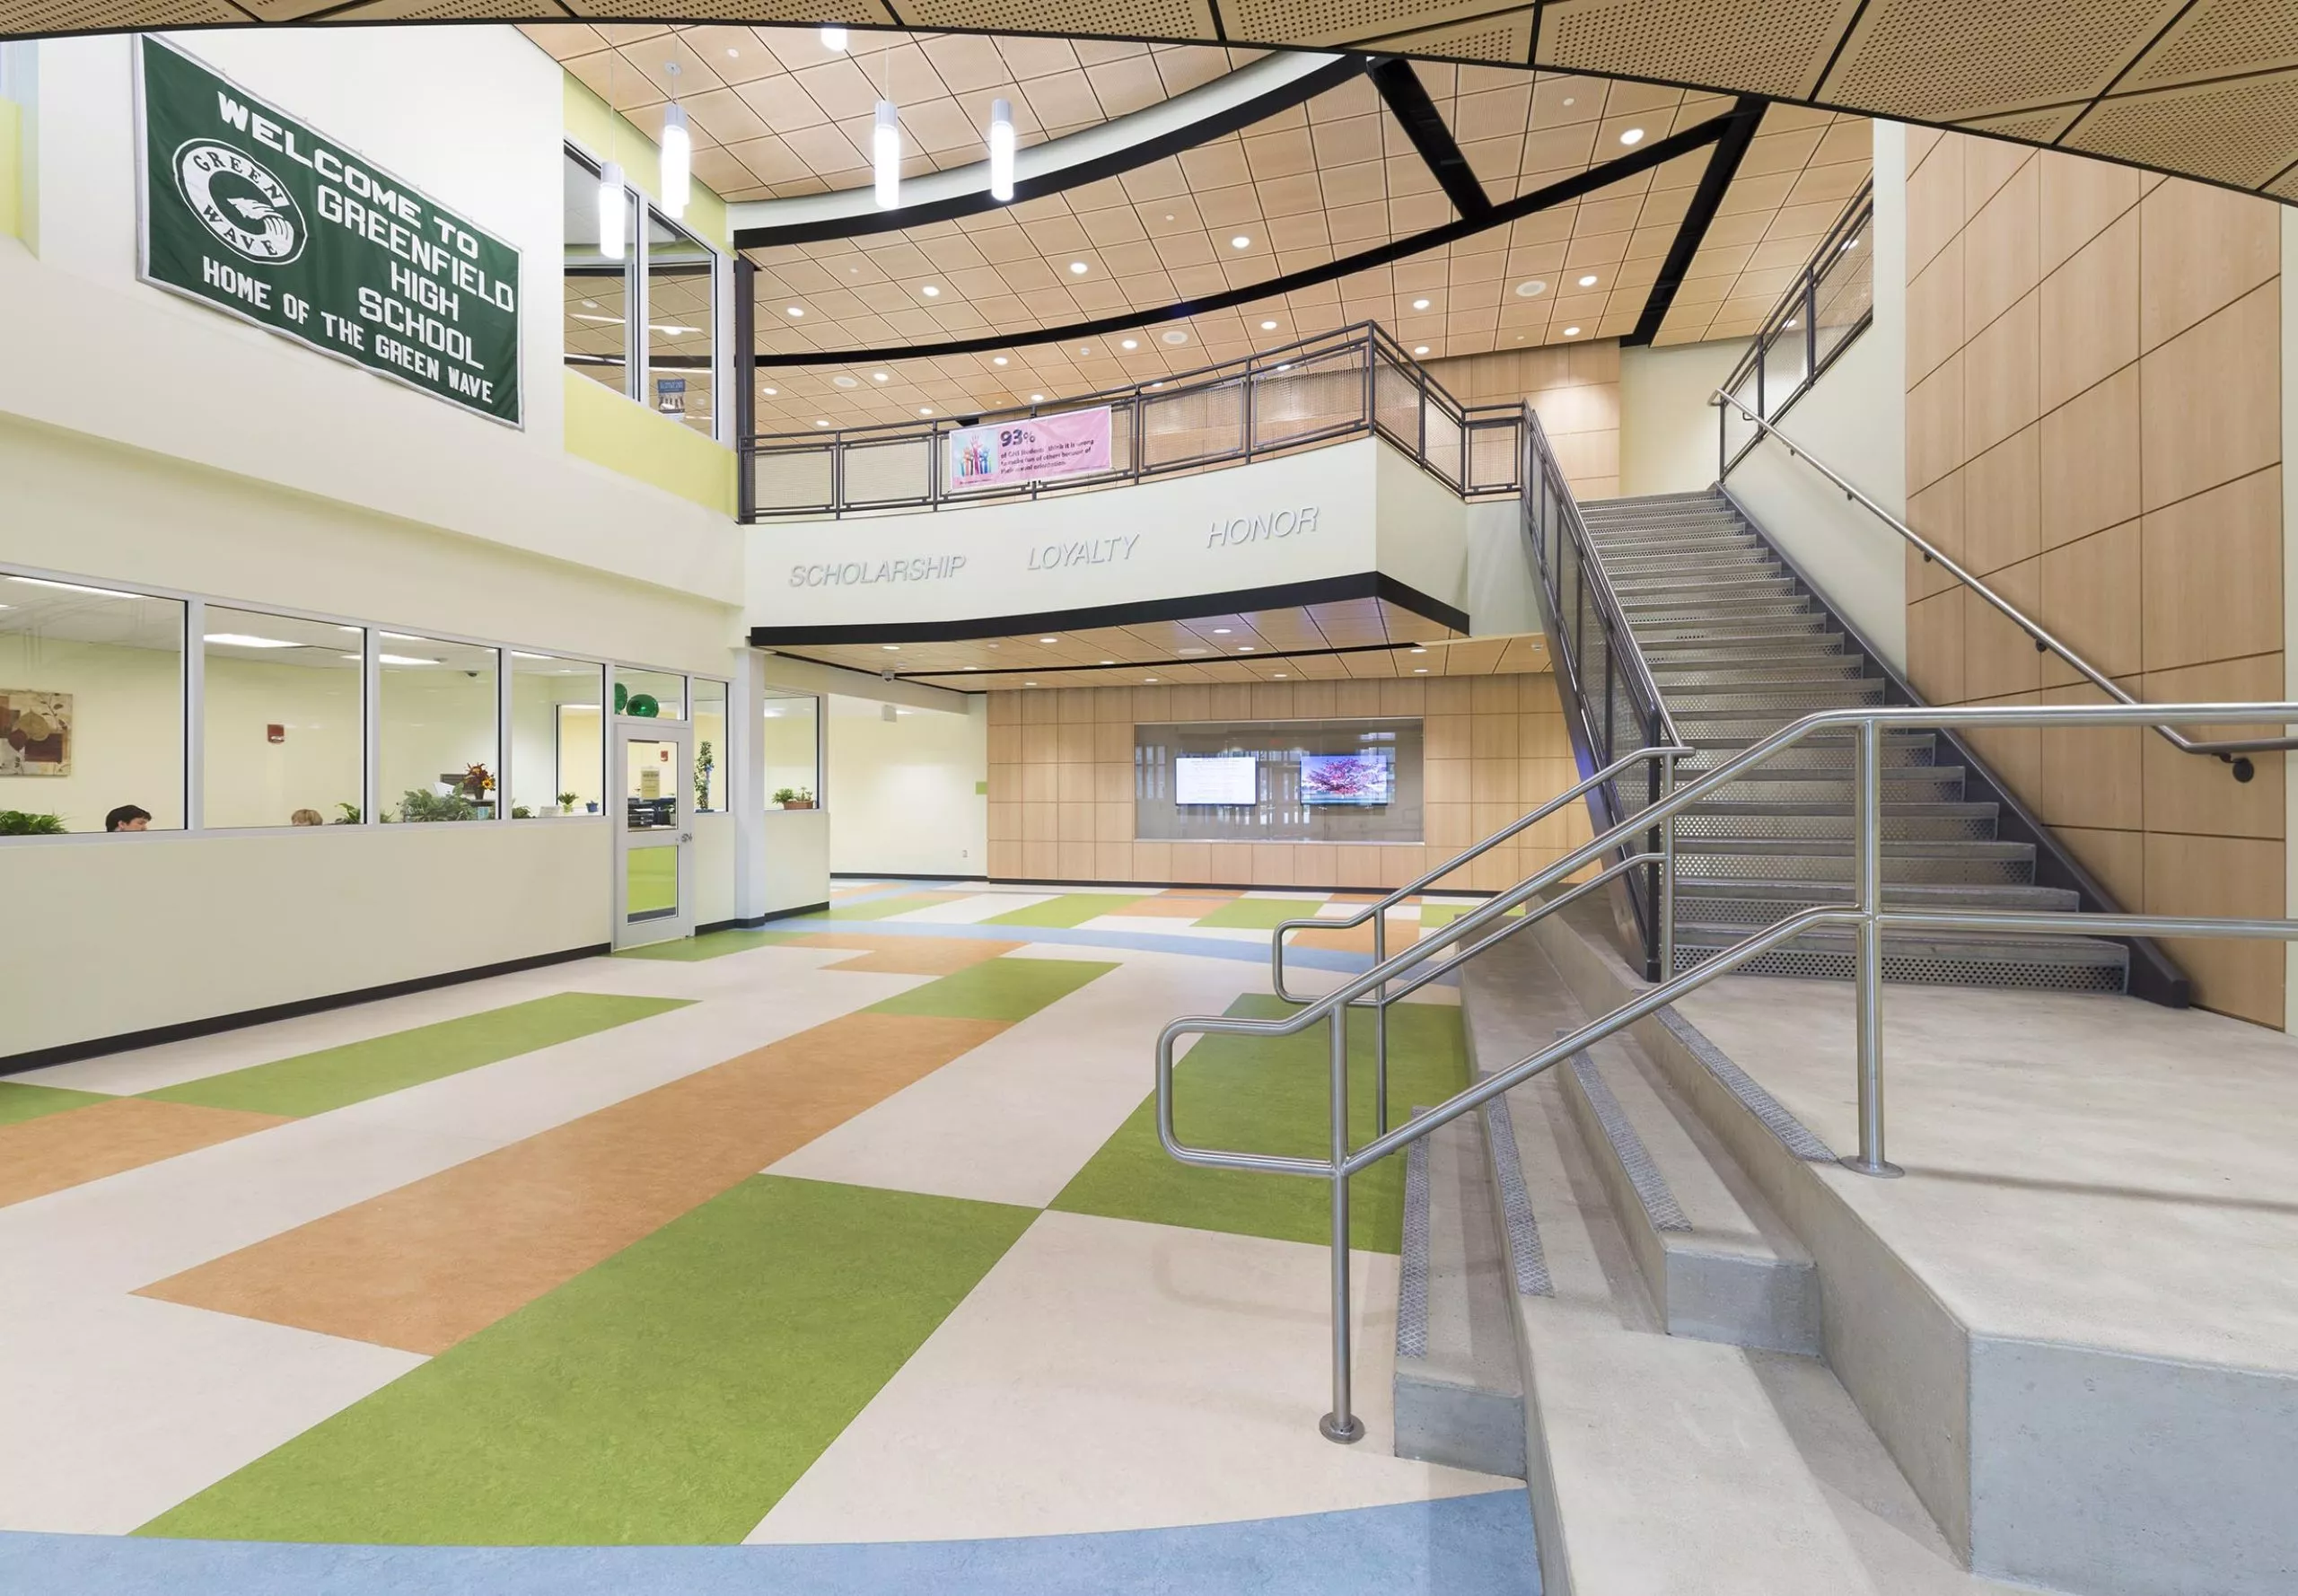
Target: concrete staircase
1739, 649
1596, 1298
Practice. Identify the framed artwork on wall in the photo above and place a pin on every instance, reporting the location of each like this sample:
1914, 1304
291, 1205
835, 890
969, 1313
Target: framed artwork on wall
35, 733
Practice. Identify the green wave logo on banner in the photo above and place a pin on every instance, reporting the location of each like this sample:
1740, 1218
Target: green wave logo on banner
240, 201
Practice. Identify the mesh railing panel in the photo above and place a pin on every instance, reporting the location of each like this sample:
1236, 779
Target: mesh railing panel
1442, 445
1492, 456
1192, 424
1322, 394
1396, 402
1846, 290
897, 472
792, 480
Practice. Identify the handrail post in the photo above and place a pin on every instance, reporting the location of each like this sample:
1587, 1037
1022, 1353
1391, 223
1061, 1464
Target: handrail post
1341, 1425
1380, 1027
1867, 827
1667, 871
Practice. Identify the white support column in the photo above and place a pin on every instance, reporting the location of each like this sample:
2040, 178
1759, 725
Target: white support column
746, 781
195, 718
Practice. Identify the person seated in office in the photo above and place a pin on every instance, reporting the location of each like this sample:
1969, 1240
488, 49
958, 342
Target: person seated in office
306, 817
128, 817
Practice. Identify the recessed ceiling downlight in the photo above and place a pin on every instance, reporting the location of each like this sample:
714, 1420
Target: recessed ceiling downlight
1530, 288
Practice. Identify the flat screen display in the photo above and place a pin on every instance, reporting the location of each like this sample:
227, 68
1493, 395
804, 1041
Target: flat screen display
1362, 780
1224, 778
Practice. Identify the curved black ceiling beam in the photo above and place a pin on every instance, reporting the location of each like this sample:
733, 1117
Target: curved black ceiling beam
970, 185
1407, 100
1658, 154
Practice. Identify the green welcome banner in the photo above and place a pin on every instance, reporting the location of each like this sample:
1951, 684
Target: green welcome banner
254, 212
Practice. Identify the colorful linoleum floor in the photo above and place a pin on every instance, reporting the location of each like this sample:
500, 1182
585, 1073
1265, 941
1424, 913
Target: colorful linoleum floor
838, 1256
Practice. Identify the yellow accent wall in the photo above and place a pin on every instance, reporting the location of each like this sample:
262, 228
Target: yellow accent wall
623, 435
610, 136
11, 176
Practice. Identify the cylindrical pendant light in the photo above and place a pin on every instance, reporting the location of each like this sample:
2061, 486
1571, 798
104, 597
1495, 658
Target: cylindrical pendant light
885, 155
612, 210
1001, 149
678, 161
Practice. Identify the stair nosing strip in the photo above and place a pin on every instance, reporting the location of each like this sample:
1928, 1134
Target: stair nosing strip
1661, 1209
1412, 1279
1525, 1256
1796, 1137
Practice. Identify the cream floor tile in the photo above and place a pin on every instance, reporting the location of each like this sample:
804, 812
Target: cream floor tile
132, 1228
1016, 1119
172, 1064
969, 911
1172, 1377
1288, 896
117, 1409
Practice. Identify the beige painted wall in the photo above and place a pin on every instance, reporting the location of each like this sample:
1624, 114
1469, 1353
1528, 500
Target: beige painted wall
2095, 425
1061, 782
1667, 419
903, 793
1576, 388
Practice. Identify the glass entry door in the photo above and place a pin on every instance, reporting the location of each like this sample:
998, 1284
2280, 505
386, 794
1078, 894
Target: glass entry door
652, 772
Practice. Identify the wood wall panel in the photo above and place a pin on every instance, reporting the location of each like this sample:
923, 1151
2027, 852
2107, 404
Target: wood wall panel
1574, 387
2094, 426
1493, 747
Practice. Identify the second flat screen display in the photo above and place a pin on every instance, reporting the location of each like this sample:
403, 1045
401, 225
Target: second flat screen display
1226, 778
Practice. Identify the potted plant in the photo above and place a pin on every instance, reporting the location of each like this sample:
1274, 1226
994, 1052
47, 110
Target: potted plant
415, 804
566, 803
705, 762
794, 797
18, 822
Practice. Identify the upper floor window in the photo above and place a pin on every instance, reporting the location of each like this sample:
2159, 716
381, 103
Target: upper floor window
641, 302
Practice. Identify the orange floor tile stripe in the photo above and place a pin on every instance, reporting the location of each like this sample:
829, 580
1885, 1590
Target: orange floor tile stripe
47, 1155
431, 1263
908, 955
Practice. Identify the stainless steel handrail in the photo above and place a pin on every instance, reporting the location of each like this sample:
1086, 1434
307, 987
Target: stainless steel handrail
1377, 910
2225, 749
1865, 913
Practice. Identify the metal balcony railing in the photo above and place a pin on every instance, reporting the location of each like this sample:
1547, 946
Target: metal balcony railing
1357, 382
1830, 302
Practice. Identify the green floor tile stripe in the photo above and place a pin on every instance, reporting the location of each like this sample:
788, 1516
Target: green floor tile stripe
714, 944
335, 1077
995, 989
1267, 1095
881, 909
1261, 914
20, 1101
1069, 910
670, 1395
1434, 915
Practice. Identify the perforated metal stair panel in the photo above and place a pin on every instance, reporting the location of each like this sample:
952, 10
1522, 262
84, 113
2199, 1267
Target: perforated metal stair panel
1739, 650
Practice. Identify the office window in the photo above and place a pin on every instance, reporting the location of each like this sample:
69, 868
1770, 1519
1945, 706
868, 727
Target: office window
557, 759
681, 318
709, 743
789, 733
649, 695
598, 290
281, 737
91, 706
439, 735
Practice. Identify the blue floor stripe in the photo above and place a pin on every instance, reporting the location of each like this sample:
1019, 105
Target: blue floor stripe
1146, 941
1462, 1545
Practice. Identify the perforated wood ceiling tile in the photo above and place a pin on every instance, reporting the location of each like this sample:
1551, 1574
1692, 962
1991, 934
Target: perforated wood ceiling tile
2219, 38
2243, 132
1337, 21
437, 11
1951, 60
1506, 38
852, 13
1699, 41
1131, 19
2031, 126
64, 16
